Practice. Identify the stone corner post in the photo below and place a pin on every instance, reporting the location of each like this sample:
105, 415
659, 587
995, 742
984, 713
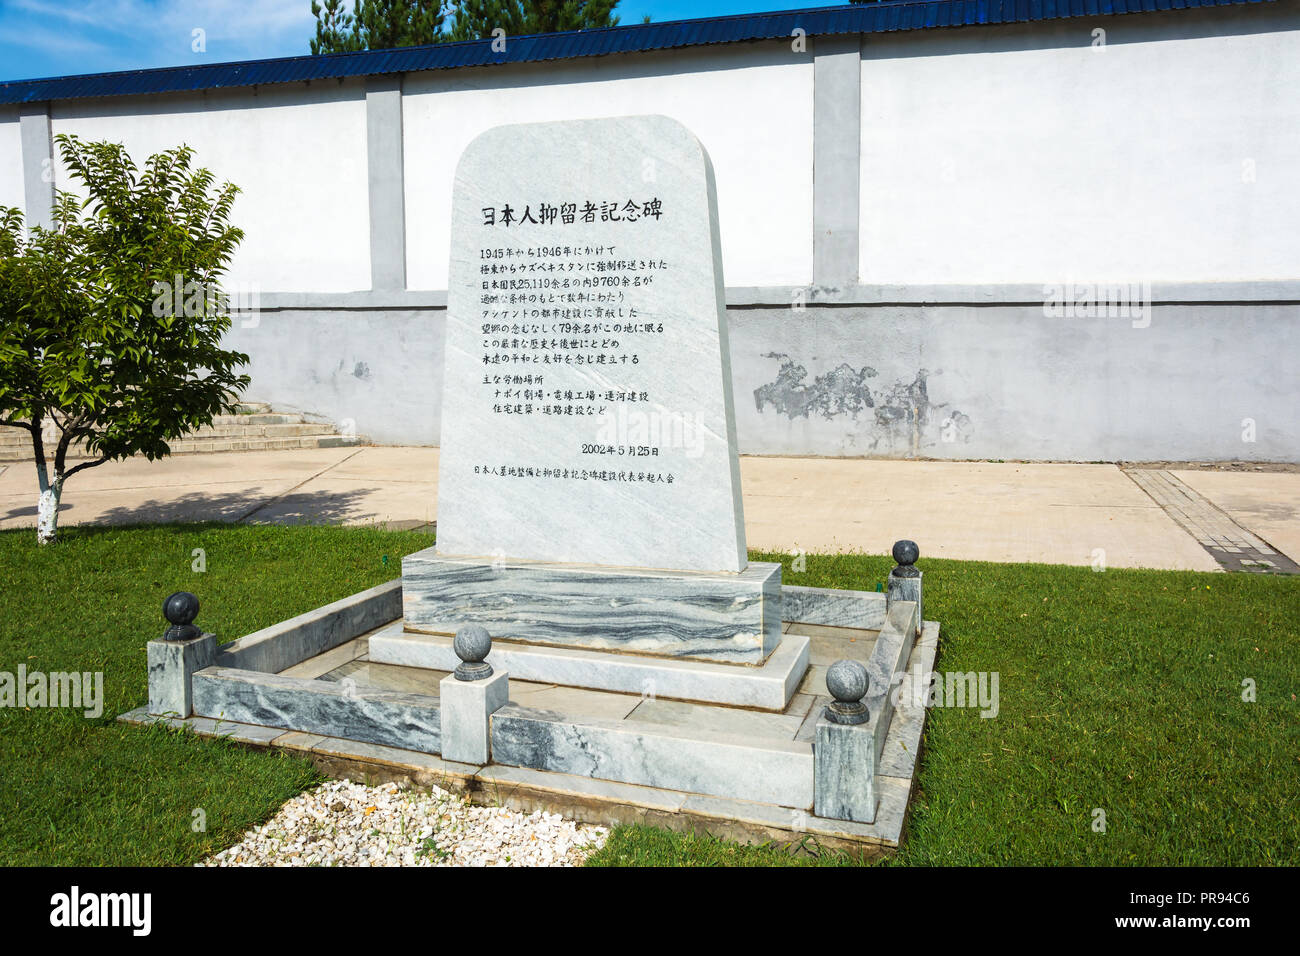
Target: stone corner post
174, 658
905, 579
469, 697
844, 749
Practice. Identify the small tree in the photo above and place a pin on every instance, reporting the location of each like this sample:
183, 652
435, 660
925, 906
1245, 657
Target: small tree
111, 321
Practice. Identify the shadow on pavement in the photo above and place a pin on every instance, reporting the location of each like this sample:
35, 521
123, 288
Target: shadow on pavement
325, 507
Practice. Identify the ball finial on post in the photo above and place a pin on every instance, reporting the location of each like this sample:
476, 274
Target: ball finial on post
848, 682
180, 609
906, 554
472, 644
905, 580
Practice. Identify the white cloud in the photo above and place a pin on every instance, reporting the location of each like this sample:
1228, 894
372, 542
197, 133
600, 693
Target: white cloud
122, 34
59, 42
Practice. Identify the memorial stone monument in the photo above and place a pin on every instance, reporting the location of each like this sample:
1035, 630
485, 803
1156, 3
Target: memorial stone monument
591, 537
589, 486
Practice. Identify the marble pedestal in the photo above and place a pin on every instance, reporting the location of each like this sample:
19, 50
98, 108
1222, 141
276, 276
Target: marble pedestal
172, 665
907, 587
690, 615
356, 707
466, 712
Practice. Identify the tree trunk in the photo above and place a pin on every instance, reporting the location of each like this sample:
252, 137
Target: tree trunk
47, 513
47, 506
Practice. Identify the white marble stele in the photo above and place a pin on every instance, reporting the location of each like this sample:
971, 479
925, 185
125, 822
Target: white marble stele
587, 414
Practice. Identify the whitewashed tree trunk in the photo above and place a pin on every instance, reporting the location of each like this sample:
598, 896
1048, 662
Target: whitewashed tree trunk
47, 512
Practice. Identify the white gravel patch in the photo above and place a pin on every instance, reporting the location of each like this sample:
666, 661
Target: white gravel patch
342, 823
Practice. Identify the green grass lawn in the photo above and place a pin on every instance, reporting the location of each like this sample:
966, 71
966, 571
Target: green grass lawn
78, 791
1119, 690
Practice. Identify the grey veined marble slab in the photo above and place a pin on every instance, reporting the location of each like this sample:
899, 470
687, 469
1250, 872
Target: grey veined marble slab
833, 608
847, 757
735, 618
289, 643
743, 767
391, 718
587, 414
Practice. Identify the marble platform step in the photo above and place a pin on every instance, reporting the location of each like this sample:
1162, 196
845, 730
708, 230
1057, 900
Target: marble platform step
691, 760
391, 718
312, 684
732, 618
605, 802
766, 687
742, 756
887, 665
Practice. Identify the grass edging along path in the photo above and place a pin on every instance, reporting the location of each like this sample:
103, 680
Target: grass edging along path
1119, 691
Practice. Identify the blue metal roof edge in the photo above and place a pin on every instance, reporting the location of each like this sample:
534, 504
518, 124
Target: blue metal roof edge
883, 17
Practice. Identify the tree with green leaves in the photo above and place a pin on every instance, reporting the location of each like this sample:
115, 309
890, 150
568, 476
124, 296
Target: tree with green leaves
376, 24
386, 24
476, 19
111, 321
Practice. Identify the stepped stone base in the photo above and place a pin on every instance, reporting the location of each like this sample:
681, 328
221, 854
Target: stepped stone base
733, 618
742, 768
768, 687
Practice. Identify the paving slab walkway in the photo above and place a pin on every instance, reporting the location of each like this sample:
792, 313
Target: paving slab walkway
1077, 514
1266, 503
1219, 533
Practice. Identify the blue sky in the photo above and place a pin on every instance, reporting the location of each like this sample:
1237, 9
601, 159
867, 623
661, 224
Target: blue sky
58, 37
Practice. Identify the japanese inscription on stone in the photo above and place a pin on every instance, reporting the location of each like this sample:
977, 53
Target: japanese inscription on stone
587, 414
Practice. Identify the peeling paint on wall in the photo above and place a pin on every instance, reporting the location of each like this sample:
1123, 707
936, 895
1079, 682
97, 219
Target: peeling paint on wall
841, 391
903, 420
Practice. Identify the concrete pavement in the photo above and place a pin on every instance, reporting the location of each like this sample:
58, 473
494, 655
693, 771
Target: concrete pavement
1055, 513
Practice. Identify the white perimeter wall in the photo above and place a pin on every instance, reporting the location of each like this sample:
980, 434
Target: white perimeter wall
11, 160
297, 152
1016, 154
750, 105
982, 162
